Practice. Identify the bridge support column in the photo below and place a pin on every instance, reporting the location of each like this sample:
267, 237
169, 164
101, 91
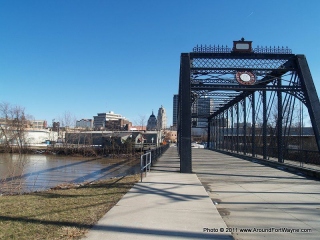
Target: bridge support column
232, 133
226, 122
208, 134
253, 127
310, 92
264, 124
244, 126
237, 109
185, 111
280, 116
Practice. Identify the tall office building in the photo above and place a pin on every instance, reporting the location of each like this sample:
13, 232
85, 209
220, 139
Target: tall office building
162, 118
175, 110
100, 120
85, 123
201, 109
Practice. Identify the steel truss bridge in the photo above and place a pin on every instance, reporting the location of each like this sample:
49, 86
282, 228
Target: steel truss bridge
260, 97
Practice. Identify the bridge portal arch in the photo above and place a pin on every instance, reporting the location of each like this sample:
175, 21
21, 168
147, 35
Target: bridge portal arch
261, 96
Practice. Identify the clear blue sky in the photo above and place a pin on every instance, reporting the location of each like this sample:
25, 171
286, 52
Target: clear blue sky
85, 57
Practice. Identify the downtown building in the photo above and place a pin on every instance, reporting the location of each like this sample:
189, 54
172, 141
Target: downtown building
201, 109
111, 121
152, 123
84, 123
175, 111
162, 119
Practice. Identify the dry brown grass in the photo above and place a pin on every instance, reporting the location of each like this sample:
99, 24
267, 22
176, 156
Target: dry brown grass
61, 213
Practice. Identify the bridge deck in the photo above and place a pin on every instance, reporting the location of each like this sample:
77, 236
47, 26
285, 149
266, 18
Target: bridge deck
251, 195
172, 205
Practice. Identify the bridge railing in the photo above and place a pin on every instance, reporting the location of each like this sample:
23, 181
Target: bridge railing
147, 159
303, 156
297, 155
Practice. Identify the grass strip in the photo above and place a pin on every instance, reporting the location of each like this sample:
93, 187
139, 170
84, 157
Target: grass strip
60, 213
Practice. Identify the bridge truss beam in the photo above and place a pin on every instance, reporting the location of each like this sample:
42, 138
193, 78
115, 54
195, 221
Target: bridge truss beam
248, 118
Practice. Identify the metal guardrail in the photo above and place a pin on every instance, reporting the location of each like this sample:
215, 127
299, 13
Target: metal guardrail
145, 163
147, 159
299, 155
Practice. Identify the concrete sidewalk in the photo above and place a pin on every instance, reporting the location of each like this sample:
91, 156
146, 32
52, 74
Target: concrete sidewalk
166, 205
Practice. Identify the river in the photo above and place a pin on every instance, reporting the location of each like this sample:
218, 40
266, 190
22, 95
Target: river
29, 173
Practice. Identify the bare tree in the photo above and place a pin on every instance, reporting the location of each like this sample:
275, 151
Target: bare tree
67, 122
141, 121
19, 123
4, 126
13, 127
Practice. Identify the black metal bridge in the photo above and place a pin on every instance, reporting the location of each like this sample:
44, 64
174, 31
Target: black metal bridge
254, 100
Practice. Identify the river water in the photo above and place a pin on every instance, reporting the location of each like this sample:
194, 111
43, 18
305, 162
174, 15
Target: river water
29, 173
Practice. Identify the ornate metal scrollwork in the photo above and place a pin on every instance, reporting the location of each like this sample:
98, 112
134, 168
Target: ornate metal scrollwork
225, 49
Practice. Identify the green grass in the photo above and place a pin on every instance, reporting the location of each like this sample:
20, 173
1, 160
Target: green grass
62, 213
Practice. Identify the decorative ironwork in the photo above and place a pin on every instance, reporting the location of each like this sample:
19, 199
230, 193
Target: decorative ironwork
272, 50
222, 94
225, 49
218, 80
211, 49
210, 64
245, 78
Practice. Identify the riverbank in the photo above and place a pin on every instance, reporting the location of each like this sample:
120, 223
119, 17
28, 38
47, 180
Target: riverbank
70, 150
25, 173
60, 213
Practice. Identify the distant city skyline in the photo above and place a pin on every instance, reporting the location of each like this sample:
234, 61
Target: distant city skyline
81, 58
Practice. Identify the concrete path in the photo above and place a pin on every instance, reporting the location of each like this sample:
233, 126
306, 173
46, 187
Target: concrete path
269, 202
166, 205
254, 202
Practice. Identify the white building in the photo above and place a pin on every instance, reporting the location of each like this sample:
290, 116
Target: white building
38, 124
162, 118
35, 137
99, 121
